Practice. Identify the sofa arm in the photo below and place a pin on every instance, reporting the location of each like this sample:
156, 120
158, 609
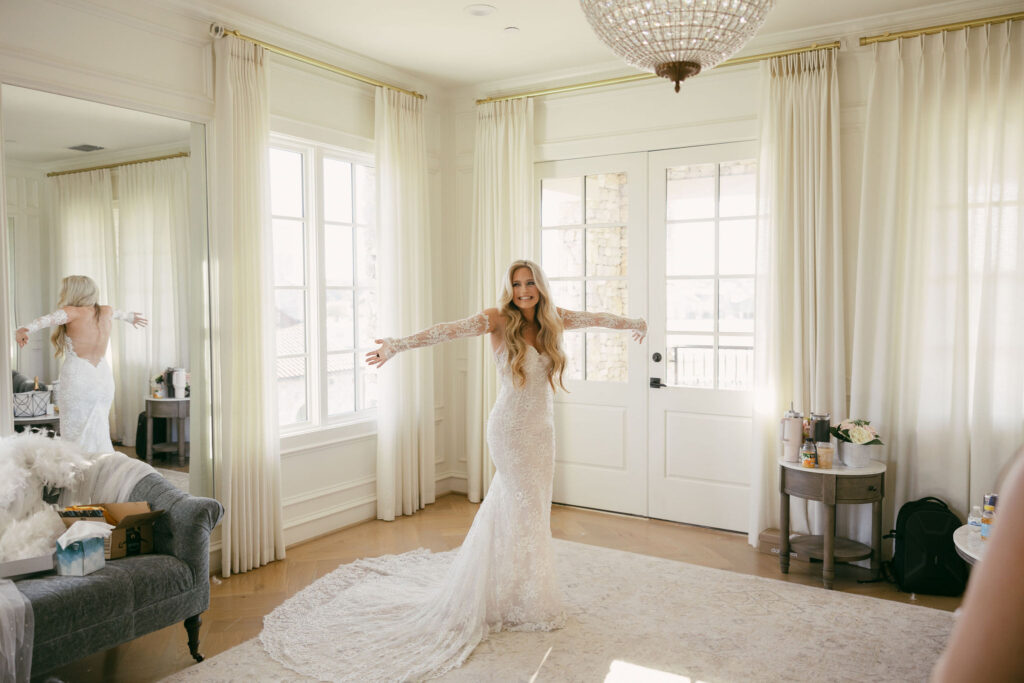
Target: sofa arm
184, 528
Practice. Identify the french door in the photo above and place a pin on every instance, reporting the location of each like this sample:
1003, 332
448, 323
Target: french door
668, 235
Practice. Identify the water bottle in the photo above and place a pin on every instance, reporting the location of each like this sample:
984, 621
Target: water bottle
988, 514
974, 519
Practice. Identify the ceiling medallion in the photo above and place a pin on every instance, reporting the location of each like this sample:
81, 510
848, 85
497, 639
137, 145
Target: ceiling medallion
675, 39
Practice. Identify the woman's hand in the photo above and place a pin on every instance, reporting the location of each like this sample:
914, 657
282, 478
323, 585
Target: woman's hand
381, 354
138, 320
641, 333
21, 336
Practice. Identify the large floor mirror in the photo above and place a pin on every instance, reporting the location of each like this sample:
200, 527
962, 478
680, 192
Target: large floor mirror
117, 195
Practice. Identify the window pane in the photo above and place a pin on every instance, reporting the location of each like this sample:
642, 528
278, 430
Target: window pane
337, 191
607, 296
338, 255
367, 312
289, 252
738, 187
567, 294
735, 362
561, 201
562, 252
690, 305
607, 251
339, 319
366, 256
340, 384
736, 305
690, 249
290, 307
285, 183
607, 357
366, 195
291, 391
572, 345
607, 199
367, 388
736, 246
690, 191
691, 360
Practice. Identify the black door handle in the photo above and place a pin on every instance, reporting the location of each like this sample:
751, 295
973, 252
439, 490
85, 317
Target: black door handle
656, 383
656, 357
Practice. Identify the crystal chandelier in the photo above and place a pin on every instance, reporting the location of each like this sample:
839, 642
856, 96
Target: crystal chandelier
675, 39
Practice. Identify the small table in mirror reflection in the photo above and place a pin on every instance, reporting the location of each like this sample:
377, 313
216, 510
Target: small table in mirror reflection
176, 411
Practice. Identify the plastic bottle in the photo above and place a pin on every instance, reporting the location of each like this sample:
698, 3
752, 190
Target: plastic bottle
974, 519
988, 515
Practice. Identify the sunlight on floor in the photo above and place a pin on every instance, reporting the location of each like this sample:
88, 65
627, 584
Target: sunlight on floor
624, 672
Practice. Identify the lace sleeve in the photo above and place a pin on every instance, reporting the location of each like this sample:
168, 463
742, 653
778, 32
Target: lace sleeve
473, 326
126, 316
58, 317
574, 320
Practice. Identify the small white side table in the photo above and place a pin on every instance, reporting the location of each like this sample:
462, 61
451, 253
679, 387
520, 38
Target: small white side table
968, 543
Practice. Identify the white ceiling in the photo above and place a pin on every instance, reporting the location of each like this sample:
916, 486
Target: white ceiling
438, 40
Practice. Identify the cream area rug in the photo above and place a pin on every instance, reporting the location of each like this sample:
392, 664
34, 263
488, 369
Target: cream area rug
639, 618
178, 479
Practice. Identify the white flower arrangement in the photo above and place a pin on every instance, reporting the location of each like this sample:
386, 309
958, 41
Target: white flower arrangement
856, 431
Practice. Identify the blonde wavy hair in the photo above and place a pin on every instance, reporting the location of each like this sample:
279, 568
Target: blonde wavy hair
75, 290
549, 335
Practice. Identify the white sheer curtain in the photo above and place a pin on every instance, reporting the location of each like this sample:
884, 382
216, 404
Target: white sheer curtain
405, 411
503, 231
247, 464
938, 343
153, 268
801, 354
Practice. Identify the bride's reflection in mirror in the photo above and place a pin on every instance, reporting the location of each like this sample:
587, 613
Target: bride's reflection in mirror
103, 192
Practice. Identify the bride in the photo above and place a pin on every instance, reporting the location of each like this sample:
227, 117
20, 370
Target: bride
86, 381
419, 615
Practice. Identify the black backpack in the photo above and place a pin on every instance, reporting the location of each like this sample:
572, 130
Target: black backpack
924, 559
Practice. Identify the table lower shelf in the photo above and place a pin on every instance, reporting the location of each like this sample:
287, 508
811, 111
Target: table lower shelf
845, 550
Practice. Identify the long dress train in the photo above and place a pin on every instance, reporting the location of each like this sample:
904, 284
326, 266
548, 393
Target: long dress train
420, 614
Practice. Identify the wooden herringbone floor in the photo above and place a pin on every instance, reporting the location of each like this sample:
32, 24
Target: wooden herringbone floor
239, 603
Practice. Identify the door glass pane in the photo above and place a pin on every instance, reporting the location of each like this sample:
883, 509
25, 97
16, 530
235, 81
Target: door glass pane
285, 183
737, 242
690, 305
567, 294
366, 191
738, 188
607, 199
561, 201
736, 305
289, 252
339, 319
608, 296
366, 386
735, 362
572, 345
690, 248
607, 251
337, 191
690, 192
366, 255
562, 252
340, 384
691, 360
290, 310
607, 357
338, 255
291, 390
367, 312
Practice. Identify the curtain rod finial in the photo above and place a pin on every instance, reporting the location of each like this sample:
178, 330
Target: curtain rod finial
217, 31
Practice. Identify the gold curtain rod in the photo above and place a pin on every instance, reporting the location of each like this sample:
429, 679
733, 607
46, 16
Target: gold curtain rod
885, 37
123, 163
645, 76
219, 31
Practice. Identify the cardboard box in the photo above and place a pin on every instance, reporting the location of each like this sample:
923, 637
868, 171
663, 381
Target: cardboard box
29, 565
81, 557
768, 542
133, 527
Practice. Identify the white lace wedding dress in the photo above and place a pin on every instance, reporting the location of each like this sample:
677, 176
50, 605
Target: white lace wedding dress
421, 614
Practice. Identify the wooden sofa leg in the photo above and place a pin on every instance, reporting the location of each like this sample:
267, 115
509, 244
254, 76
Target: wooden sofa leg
192, 625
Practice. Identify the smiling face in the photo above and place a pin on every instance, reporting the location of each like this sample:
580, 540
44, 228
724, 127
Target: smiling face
525, 294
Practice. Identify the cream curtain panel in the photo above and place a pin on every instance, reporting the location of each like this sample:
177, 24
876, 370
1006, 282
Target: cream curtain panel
247, 466
800, 332
405, 412
503, 231
938, 343
153, 270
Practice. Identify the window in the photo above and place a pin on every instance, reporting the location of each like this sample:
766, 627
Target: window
325, 277
585, 253
710, 236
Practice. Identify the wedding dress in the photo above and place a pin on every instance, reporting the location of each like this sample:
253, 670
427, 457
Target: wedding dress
86, 391
420, 614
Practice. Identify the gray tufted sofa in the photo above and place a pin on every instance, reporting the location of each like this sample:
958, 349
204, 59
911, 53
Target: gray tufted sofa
78, 615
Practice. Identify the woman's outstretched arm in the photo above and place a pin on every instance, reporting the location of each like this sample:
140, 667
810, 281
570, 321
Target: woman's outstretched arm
574, 320
58, 317
473, 326
132, 317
